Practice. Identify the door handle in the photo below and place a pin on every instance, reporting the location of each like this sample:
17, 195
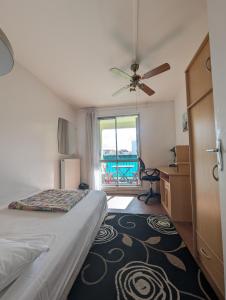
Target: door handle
215, 167
215, 150
208, 64
219, 151
203, 252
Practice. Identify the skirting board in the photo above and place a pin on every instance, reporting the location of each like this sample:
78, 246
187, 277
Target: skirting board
126, 190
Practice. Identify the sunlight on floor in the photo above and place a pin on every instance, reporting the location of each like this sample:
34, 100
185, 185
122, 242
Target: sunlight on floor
119, 202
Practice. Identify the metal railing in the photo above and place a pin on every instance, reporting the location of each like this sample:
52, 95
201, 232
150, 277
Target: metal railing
120, 172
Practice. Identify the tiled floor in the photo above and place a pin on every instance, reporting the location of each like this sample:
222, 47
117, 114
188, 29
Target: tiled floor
130, 204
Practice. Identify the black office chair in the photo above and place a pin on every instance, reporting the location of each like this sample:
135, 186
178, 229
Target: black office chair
148, 174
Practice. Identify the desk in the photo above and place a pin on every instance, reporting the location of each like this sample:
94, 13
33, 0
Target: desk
176, 193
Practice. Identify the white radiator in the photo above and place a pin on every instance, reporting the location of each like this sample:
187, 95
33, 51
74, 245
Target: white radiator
69, 173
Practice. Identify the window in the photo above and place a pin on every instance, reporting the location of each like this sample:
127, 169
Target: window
119, 150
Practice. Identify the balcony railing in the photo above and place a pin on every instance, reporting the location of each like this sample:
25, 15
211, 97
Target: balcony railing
120, 172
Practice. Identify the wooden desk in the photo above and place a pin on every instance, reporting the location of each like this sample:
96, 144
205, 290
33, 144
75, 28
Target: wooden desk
175, 192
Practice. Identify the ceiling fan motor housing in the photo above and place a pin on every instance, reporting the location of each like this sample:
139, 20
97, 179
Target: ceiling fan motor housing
134, 67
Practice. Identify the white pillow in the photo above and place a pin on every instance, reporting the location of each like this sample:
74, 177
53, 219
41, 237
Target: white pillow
14, 257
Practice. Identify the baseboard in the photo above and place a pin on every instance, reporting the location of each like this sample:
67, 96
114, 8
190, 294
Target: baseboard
123, 191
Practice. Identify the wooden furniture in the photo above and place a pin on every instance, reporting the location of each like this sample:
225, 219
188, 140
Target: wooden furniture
182, 154
182, 158
205, 190
175, 187
70, 173
175, 191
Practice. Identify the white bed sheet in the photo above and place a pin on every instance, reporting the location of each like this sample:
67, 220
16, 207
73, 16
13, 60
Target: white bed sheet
69, 236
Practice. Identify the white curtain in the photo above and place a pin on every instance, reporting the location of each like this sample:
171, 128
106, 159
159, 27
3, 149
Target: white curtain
62, 136
92, 155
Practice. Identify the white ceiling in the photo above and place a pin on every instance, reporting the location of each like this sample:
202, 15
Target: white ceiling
71, 44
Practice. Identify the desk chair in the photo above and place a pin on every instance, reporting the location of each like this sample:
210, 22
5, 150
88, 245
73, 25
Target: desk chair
147, 174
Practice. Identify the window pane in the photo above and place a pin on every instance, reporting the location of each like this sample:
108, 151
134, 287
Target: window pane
119, 173
119, 151
107, 139
127, 173
127, 137
108, 173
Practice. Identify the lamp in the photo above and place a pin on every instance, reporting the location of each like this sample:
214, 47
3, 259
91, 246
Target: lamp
6, 55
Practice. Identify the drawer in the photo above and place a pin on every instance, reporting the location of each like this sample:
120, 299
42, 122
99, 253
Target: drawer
199, 76
212, 264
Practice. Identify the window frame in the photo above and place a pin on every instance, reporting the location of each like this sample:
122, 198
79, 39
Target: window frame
100, 161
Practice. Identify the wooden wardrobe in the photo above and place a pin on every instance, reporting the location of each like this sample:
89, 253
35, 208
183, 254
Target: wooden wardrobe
204, 168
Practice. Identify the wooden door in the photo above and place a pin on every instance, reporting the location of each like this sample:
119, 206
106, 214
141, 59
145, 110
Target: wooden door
208, 220
205, 188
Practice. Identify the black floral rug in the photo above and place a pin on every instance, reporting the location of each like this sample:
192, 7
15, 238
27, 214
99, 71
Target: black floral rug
137, 257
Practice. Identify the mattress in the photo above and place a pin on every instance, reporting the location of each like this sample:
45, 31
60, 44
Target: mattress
69, 236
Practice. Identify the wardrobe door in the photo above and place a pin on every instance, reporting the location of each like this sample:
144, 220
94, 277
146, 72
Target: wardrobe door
206, 187
207, 204
204, 167
199, 76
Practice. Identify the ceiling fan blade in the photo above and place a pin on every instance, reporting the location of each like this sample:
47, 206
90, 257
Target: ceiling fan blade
156, 71
121, 90
146, 89
121, 73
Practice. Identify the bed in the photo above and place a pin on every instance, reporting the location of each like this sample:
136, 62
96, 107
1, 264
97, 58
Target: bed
69, 236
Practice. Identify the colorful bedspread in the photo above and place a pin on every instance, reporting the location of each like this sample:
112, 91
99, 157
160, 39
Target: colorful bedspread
54, 200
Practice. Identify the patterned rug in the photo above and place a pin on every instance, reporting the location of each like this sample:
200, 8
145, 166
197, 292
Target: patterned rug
139, 257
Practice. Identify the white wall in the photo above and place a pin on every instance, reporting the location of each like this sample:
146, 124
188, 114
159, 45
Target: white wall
217, 25
28, 134
180, 103
157, 131
190, 43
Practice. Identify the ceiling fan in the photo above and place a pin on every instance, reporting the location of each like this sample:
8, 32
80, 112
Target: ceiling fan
136, 80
